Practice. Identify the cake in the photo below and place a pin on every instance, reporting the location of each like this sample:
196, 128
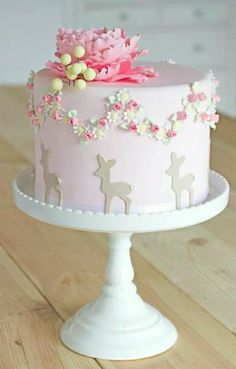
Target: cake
114, 136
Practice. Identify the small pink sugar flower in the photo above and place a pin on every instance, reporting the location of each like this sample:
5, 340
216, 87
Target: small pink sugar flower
192, 98
132, 104
171, 133
117, 106
216, 98
56, 116
47, 99
88, 136
132, 127
215, 118
204, 117
35, 122
154, 128
181, 115
102, 122
57, 98
73, 121
39, 109
30, 86
31, 114
201, 96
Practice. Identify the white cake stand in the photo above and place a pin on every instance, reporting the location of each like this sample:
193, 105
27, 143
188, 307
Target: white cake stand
119, 325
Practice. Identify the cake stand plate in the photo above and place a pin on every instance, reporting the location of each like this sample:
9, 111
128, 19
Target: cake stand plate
119, 325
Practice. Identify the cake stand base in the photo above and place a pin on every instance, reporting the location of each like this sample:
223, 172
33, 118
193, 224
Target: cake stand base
119, 325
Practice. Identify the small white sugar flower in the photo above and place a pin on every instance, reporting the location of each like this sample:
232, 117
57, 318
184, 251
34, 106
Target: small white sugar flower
113, 116
129, 115
143, 128
177, 125
123, 96
100, 133
196, 87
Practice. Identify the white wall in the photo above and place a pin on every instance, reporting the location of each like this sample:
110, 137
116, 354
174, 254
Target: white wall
27, 30
201, 34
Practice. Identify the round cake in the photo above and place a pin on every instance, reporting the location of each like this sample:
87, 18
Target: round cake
115, 137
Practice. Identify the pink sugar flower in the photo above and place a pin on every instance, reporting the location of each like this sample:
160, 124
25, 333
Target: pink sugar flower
56, 116
132, 127
192, 98
102, 122
47, 99
39, 109
88, 136
117, 106
216, 98
204, 117
57, 98
110, 52
201, 96
215, 118
181, 115
132, 104
73, 121
171, 133
35, 122
31, 114
154, 128
30, 86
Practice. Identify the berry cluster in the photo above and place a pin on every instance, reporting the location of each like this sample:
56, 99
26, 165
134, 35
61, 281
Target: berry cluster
77, 72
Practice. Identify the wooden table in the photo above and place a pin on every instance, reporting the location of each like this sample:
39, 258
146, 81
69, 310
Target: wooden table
47, 272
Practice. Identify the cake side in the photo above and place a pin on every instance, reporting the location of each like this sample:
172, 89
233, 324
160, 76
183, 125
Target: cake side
144, 163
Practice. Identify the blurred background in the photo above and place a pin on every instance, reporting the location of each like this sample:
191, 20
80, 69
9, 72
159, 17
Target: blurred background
198, 33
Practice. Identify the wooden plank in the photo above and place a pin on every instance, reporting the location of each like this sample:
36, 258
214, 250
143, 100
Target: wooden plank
223, 160
188, 311
194, 260
223, 149
193, 315
68, 270
14, 125
226, 131
29, 326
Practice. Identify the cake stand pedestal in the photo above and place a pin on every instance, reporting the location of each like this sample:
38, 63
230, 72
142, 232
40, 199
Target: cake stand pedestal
119, 325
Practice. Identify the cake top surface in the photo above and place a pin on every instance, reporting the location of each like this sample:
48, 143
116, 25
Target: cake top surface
174, 74
169, 74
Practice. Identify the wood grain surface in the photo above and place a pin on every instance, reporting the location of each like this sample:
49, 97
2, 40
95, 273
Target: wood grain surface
46, 273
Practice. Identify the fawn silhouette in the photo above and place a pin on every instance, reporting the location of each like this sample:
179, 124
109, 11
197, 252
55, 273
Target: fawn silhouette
179, 184
51, 180
112, 189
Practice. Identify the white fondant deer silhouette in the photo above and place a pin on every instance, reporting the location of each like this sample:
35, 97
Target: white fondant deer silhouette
180, 184
112, 189
51, 180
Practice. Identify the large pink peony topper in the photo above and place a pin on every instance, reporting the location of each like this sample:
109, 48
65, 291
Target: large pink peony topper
109, 52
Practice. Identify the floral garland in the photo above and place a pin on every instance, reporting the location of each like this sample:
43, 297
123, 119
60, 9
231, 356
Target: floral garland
122, 108
198, 108
195, 106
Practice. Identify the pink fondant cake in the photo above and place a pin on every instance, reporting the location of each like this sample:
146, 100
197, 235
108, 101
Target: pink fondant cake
115, 137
